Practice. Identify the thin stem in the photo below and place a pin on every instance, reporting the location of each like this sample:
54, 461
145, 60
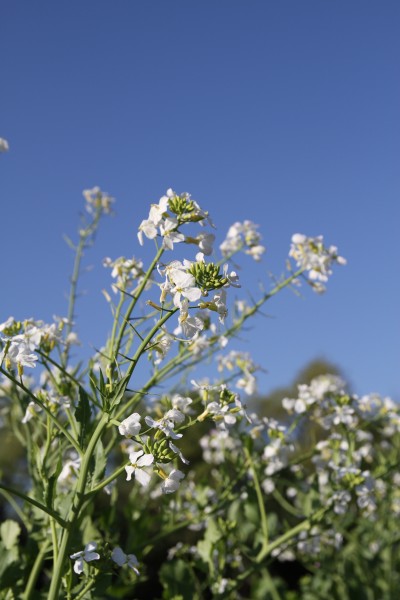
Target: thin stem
146, 341
46, 410
108, 480
285, 504
84, 237
54, 540
134, 301
260, 500
303, 526
115, 324
87, 587
34, 574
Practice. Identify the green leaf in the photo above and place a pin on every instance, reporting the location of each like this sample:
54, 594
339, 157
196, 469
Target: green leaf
177, 581
119, 391
100, 462
205, 547
9, 531
82, 415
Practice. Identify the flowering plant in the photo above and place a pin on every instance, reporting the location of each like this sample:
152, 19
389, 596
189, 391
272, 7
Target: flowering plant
207, 496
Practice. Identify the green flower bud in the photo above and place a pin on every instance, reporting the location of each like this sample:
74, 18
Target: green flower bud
208, 276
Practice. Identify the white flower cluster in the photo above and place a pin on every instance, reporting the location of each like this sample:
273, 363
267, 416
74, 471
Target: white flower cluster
315, 392
139, 460
161, 222
188, 281
21, 339
98, 201
125, 271
311, 255
218, 444
243, 236
88, 554
245, 365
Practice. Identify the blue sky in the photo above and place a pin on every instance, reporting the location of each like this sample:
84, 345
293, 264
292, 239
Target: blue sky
285, 113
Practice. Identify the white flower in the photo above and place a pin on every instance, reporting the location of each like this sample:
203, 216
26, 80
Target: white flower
169, 233
172, 483
119, 557
184, 284
178, 452
166, 424
130, 426
18, 353
138, 461
181, 403
248, 383
311, 255
69, 472
190, 326
96, 199
256, 252
3, 145
221, 414
147, 228
232, 277
243, 235
204, 241
219, 302
30, 412
9, 323
86, 555
157, 210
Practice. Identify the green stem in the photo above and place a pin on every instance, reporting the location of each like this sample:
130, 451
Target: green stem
73, 516
34, 574
45, 409
87, 587
109, 479
110, 347
134, 302
260, 500
54, 539
303, 526
146, 341
285, 504
84, 241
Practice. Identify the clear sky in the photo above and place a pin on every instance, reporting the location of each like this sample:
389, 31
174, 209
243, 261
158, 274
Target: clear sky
285, 113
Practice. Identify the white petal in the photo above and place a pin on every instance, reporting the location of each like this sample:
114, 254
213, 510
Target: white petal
145, 460
133, 456
78, 566
142, 477
119, 556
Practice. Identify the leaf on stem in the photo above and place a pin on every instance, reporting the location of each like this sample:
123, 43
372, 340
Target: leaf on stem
82, 415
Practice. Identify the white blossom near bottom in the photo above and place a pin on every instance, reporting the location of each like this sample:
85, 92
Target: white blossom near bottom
87, 555
122, 559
